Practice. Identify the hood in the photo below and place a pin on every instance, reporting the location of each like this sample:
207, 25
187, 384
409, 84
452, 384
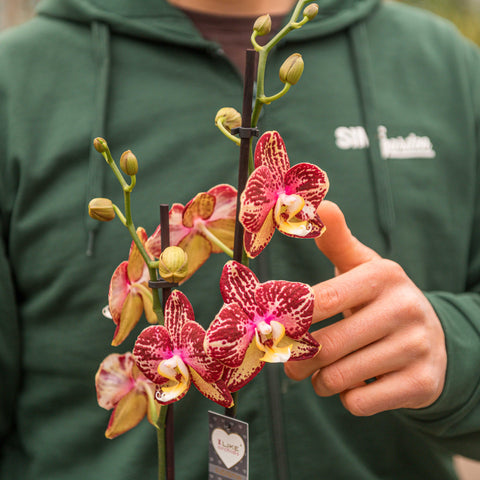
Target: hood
158, 20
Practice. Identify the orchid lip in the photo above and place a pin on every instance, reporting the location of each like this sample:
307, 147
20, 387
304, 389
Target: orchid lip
179, 379
267, 338
286, 209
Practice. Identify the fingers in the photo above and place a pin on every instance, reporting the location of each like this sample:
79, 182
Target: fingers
337, 243
414, 388
353, 289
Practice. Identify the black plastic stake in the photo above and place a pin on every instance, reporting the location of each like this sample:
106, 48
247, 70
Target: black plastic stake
246, 132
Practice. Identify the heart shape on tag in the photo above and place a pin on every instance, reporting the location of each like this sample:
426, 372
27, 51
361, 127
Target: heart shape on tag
229, 447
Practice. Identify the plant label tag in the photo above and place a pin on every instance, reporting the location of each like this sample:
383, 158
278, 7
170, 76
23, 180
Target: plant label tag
228, 448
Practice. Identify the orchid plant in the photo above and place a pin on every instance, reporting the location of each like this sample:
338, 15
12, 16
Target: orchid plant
258, 323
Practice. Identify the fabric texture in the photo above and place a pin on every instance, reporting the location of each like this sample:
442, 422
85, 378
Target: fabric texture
388, 105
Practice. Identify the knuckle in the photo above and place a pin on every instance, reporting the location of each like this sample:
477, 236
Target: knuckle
392, 268
326, 297
418, 343
426, 385
332, 379
355, 404
328, 352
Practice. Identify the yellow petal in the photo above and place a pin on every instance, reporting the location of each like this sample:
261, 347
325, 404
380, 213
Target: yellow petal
128, 413
268, 338
286, 209
198, 249
179, 379
131, 312
150, 315
224, 230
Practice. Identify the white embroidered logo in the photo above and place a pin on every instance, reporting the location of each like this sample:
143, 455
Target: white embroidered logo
412, 146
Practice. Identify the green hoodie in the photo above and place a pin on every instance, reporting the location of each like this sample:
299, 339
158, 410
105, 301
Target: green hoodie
388, 105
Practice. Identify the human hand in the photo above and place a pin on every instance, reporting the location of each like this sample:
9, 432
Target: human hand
390, 331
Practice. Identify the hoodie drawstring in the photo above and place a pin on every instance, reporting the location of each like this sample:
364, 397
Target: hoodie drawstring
100, 36
362, 65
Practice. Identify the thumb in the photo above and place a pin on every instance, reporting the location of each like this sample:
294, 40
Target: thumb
337, 243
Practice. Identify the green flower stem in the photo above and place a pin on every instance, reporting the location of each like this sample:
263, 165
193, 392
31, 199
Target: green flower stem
210, 236
161, 443
265, 50
111, 162
267, 100
227, 133
128, 222
119, 214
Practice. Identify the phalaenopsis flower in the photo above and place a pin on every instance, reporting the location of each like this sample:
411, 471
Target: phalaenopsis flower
129, 294
203, 226
120, 386
258, 323
172, 356
277, 196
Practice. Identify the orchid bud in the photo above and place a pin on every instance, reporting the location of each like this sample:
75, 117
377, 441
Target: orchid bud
100, 145
172, 264
292, 69
101, 209
310, 11
229, 118
263, 25
129, 163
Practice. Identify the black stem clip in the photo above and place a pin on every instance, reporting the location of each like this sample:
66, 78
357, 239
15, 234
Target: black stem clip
245, 132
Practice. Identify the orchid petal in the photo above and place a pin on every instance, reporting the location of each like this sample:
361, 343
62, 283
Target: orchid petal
194, 354
236, 378
132, 310
202, 206
218, 391
224, 230
290, 303
198, 249
127, 414
178, 311
228, 337
152, 346
271, 152
254, 243
237, 285
257, 199
304, 347
136, 264
147, 300
308, 181
113, 379
118, 291
225, 204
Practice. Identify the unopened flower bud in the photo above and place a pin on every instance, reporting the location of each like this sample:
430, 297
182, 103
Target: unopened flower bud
101, 209
100, 145
229, 118
310, 11
172, 264
263, 25
129, 163
292, 69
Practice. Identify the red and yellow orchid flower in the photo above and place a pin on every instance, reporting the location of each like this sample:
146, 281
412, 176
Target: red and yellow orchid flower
277, 196
205, 225
258, 323
172, 356
129, 294
120, 386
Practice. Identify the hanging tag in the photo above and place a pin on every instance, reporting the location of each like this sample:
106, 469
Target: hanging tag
228, 448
